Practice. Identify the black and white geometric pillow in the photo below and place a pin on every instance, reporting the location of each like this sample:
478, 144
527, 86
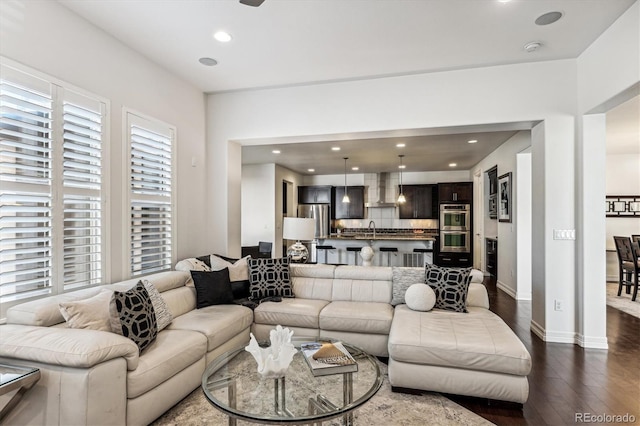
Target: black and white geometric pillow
132, 315
269, 277
450, 286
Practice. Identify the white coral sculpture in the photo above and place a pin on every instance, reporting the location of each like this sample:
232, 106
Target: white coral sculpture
274, 360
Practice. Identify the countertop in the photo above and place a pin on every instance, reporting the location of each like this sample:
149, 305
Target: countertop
385, 236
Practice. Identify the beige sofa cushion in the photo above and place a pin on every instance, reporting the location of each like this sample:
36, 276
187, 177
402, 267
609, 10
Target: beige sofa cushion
296, 312
171, 352
477, 340
359, 317
218, 323
91, 313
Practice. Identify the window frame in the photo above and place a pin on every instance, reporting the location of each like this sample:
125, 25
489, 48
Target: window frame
58, 89
129, 116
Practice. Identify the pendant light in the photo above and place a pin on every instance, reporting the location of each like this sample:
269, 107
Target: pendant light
345, 199
401, 197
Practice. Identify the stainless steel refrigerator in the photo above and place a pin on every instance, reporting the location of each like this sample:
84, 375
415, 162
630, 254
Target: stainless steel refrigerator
322, 216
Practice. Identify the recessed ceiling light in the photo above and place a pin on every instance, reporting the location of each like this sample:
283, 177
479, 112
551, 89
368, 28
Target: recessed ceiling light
473, 141
402, 166
548, 18
311, 170
504, 1
276, 151
222, 36
400, 145
453, 164
335, 148
355, 168
208, 61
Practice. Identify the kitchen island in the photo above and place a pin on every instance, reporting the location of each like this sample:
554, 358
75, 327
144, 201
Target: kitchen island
404, 240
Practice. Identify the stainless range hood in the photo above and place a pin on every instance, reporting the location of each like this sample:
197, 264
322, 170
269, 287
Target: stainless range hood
384, 192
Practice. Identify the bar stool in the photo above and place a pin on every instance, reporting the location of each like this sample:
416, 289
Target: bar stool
421, 252
388, 250
355, 251
326, 250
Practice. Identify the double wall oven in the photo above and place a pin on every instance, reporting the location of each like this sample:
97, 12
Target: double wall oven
455, 228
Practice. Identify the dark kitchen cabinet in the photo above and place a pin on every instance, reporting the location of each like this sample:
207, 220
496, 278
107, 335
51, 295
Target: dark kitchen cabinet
315, 194
491, 252
422, 202
455, 192
457, 260
353, 209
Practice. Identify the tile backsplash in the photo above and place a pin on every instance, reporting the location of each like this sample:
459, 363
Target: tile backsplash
387, 217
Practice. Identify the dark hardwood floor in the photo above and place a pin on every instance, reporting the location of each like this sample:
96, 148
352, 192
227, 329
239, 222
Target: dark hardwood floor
568, 379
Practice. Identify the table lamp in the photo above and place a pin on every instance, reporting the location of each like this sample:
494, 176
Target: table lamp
298, 228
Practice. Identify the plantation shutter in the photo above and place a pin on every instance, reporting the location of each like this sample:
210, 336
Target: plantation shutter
82, 184
150, 195
25, 185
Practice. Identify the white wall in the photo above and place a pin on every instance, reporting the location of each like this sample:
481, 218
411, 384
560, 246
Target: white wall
258, 203
608, 73
49, 38
262, 203
523, 225
505, 158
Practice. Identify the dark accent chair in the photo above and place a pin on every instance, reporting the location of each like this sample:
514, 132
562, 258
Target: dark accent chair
262, 250
628, 265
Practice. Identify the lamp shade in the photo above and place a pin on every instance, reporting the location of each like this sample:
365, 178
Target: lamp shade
299, 228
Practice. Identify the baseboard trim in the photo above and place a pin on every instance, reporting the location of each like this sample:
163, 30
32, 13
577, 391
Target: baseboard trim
502, 286
523, 296
537, 330
592, 342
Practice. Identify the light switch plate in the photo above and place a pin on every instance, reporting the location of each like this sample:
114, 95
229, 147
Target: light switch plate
564, 234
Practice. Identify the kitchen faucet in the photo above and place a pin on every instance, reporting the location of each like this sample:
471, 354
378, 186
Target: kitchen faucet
374, 227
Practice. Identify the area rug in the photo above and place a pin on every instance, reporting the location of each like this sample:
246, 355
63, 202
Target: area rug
386, 408
622, 302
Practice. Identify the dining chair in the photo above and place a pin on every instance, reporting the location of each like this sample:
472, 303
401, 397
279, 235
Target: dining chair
628, 267
636, 238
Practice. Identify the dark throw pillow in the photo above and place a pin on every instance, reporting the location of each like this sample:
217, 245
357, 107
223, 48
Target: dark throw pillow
212, 288
133, 316
450, 286
270, 277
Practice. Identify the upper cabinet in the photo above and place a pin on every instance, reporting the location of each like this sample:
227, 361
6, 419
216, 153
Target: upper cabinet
492, 175
354, 209
455, 192
422, 202
315, 194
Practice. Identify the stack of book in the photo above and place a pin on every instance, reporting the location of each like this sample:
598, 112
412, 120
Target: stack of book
326, 358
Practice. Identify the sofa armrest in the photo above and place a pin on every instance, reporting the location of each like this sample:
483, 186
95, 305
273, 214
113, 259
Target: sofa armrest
69, 347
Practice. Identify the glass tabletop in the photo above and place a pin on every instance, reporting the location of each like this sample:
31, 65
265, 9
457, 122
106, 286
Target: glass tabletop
11, 373
232, 384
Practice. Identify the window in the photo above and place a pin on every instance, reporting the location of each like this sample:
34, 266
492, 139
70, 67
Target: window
150, 194
51, 186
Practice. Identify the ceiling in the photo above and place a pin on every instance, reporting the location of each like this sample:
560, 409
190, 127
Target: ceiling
292, 42
296, 42
432, 150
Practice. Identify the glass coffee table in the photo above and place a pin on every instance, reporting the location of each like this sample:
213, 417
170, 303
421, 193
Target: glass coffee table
233, 385
13, 377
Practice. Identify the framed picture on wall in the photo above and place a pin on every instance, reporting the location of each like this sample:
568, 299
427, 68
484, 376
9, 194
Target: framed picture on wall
505, 203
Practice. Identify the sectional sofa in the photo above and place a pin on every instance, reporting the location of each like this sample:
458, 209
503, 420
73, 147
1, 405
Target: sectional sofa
92, 377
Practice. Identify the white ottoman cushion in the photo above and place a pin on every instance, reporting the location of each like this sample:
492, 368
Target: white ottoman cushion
420, 297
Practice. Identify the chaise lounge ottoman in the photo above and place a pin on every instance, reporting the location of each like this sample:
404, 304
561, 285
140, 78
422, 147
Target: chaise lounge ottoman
474, 354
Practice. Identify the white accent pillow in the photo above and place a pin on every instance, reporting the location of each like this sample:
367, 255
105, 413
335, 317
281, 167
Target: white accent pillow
420, 297
238, 271
91, 313
192, 264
